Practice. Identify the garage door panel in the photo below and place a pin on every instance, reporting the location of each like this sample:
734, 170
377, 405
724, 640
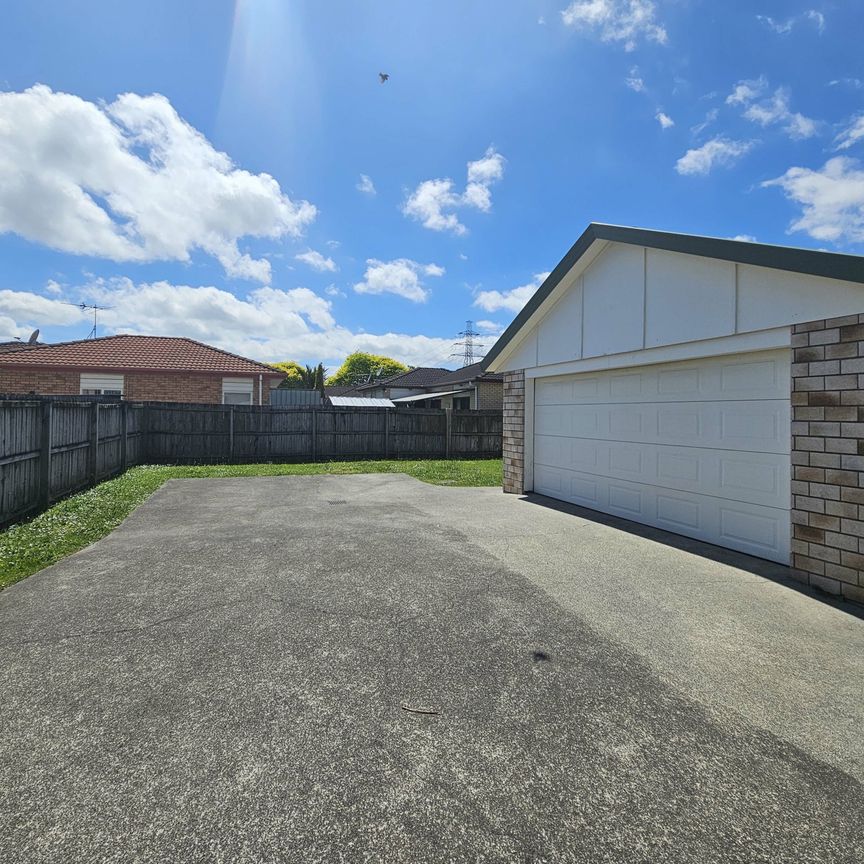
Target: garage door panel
760, 478
758, 426
747, 527
762, 375
699, 448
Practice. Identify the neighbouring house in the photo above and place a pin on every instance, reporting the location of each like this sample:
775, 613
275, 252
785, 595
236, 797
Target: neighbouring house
401, 384
713, 388
141, 368
467, 389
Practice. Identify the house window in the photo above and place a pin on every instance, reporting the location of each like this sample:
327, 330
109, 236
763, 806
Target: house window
463, 403
237, 391
101, 385
434, 403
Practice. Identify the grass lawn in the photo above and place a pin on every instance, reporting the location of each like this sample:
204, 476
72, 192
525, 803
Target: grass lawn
82, 519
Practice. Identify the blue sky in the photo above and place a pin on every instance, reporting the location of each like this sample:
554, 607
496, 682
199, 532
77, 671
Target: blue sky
171, 160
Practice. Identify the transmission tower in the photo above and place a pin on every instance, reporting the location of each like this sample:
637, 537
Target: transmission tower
467, 345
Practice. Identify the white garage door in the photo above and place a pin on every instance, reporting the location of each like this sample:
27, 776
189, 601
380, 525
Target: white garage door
699, 447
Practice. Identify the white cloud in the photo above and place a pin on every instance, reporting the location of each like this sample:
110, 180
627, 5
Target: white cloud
132, 181
432, 203
400, 276
816, 18
783, 28
512, 300
268, 324
744, 238
52, 286
36, 311
717, 151
851, 135
635, 81
746, 91
317, 261
854, 83
664, 120
489, 326
616, 20
776, 110
831, 199
366, 186
710, 117
771, 111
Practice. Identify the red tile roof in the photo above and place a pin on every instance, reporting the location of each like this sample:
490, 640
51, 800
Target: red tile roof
129, 353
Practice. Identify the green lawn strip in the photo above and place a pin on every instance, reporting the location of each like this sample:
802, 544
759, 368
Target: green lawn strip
82, 519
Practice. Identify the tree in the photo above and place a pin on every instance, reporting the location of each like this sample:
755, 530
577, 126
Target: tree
360, 367
299, 377
293, 373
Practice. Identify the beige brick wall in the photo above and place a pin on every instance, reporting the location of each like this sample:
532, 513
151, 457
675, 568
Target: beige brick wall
514, 432
44, 382
142, 387
828, 454
490, 395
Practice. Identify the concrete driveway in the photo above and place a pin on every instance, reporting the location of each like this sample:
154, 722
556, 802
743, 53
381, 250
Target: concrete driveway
225, 678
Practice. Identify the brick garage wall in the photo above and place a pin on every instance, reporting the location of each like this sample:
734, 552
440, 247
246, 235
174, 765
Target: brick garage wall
45, 382
490, 395
828, 455
514, 432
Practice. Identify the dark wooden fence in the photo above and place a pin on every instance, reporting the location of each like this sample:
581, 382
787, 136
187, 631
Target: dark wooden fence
50, 447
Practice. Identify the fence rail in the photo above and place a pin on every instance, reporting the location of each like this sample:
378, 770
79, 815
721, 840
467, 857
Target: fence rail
51, 447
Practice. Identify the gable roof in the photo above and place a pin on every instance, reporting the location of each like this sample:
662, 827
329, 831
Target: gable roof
133, 353
420, 376
467, 373
811, 262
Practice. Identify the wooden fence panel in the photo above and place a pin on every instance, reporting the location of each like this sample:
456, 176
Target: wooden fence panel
272, 435
188, 433
350, 433
70, 447
20, 432
476, 434
418, 433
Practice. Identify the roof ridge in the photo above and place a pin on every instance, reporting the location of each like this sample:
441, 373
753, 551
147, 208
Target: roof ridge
189, 339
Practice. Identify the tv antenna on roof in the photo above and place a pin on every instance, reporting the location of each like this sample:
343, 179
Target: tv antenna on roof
467, 345
91, 307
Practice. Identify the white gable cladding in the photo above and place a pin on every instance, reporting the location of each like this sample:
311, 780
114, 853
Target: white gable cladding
632, 298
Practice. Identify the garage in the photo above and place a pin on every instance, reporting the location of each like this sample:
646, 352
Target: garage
699, 448
708, 387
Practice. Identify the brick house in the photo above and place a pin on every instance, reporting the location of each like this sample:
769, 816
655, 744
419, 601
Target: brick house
468, 388
140, 368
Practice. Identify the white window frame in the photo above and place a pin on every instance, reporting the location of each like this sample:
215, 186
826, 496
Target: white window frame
99, 384
238, 391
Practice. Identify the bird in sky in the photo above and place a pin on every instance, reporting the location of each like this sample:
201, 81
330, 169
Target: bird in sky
383, 76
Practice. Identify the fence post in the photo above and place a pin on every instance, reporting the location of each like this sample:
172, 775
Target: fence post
94, 443
45, 455
314, 435
124, 436
448, 415
231, 434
